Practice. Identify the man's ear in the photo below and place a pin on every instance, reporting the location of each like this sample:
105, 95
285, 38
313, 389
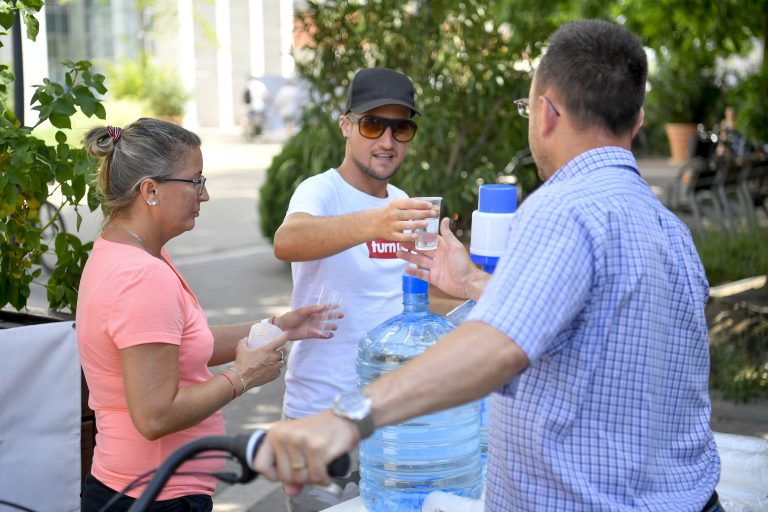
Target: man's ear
549, 117
638, 122
344, 125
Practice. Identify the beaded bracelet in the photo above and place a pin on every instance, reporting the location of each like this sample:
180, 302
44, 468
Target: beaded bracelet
234, 389
242, 380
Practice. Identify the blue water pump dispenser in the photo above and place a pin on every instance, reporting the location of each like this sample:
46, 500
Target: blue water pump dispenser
401, 464
497, 204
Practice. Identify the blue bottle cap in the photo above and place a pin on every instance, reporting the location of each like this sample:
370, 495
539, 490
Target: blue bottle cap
414, 285
497, 198
487, 262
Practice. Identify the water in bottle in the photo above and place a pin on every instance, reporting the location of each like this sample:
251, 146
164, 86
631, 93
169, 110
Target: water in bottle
457, 316
401, 464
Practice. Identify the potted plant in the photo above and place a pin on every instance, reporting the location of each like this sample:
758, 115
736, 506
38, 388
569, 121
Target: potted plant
682, 95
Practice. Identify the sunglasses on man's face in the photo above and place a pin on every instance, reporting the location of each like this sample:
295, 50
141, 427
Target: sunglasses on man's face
373, 127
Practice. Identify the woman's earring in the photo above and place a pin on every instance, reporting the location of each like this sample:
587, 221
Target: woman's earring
152, 202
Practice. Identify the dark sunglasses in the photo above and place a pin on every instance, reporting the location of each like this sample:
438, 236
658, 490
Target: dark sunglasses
373, 127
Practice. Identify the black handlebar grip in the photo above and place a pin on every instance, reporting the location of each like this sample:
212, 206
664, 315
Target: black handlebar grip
340, 466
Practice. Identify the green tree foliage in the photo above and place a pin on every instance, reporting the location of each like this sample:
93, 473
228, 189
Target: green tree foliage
466, 71
33, 170
688, 40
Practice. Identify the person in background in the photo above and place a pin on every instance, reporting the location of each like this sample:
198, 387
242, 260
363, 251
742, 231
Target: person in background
341, 231
256, 97
591, 331
144, 341
287, 105
730, 141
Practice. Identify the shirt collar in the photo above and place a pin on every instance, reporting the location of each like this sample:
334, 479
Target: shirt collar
594, 159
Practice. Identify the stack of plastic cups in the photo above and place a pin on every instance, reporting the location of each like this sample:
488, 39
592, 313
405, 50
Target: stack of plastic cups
490, 229
260, 334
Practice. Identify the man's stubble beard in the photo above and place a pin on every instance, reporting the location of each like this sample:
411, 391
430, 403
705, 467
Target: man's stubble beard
540, 156
368, 171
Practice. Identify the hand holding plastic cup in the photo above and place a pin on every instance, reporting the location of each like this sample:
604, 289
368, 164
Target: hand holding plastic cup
261, 334
333, 300
426, 238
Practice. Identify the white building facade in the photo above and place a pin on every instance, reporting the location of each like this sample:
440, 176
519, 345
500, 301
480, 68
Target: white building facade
214, 46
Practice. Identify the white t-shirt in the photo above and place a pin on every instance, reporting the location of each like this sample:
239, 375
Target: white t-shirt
259, 95
369, 277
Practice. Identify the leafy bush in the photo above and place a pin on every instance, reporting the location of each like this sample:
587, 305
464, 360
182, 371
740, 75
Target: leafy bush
738, 338
467, 72
748, 100
158, 86
34, 169
734, 256
739, 356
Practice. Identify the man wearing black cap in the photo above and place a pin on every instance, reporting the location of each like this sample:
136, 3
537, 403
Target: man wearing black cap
342, 231
591, 332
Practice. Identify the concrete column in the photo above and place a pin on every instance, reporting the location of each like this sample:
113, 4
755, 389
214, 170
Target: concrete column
224, 64
287, 65
258, 57
187, 59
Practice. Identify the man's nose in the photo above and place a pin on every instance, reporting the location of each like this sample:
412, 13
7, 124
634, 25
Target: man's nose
387, 138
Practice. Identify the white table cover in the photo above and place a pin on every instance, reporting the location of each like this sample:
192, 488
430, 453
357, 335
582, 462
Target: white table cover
40, 417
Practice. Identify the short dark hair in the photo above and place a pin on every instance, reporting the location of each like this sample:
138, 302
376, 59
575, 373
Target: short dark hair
599, 69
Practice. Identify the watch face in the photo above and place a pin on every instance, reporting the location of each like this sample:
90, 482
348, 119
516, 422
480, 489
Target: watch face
353, 404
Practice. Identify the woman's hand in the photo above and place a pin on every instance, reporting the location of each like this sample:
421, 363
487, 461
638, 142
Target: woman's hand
260, 365
315, 321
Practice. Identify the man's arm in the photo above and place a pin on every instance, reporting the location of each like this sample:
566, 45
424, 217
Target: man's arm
305, 237
444, 376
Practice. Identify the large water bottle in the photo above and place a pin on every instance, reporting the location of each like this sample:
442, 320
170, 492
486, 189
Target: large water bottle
400, 465
490, 226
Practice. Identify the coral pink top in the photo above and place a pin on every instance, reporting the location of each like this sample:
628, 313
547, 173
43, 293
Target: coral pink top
128, 297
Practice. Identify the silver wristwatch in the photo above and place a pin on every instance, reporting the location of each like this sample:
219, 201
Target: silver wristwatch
355, 406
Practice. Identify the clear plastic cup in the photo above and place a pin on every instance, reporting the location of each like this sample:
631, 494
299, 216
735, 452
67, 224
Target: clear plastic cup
426, 238
333, 299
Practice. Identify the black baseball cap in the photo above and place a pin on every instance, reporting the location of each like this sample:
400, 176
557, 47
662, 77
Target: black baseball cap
376, 87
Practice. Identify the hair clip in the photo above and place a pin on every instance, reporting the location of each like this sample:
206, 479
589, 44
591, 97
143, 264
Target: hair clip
114, 132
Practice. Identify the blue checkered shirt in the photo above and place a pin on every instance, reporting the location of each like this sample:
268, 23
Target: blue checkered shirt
602, 287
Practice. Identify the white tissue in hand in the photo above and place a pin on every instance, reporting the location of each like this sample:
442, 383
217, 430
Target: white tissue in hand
262, 333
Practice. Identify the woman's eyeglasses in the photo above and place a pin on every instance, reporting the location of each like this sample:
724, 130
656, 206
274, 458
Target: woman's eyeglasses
200, 182
373, 127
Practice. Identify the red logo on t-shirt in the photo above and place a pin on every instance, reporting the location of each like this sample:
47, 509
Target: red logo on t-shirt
381, 248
